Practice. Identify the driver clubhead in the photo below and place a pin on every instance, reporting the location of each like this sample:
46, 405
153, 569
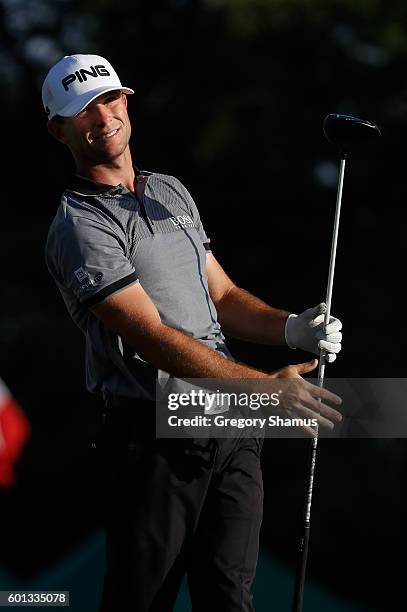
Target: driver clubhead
350, 133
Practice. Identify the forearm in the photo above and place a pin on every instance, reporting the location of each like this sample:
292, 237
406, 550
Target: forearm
182, 356
164, 347
244, 316
132, 315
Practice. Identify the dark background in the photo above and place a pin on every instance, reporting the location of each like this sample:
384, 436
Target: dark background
230, 98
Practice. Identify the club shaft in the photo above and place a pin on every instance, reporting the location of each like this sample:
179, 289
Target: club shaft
328, 300
304, 539
306, 526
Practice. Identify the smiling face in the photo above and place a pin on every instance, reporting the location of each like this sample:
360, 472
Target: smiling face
99, 134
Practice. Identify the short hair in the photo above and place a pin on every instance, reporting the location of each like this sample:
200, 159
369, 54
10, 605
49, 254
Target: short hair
58, 118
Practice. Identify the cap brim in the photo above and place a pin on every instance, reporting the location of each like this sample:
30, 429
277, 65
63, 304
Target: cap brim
77, 105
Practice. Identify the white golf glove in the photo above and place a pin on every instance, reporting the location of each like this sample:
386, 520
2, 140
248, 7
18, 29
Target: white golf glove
305, 331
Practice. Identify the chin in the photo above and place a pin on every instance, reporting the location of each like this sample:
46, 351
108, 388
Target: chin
108, 153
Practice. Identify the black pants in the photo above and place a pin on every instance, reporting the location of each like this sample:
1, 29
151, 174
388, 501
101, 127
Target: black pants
175, 506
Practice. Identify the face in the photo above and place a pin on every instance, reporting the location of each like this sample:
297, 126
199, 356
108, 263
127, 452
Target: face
100, 133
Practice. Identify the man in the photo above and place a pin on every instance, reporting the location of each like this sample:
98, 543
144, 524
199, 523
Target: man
132, 261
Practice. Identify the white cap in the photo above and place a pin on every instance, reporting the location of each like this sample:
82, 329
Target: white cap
76, 80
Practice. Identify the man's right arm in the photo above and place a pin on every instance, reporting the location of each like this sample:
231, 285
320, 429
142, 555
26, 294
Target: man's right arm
132, 315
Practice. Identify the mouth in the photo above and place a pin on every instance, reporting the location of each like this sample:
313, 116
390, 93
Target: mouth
106, 135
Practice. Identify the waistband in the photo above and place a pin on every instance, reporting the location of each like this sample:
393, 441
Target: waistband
123, 400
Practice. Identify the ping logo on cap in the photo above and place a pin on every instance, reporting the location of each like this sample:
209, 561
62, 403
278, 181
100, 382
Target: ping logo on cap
72, 83
82, 75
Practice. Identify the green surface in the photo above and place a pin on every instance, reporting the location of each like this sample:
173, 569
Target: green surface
81, 573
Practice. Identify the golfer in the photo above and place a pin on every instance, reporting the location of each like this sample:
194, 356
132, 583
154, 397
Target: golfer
130, 256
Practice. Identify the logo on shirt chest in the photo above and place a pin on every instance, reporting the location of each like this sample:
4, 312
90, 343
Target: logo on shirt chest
181, 221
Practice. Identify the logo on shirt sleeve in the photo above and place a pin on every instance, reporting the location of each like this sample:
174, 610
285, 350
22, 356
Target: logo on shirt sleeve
81, 274
85, 281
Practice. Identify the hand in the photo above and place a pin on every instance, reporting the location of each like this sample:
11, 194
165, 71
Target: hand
306, 331
308, 399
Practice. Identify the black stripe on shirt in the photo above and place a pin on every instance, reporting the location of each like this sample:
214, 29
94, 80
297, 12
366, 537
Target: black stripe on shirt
106, 291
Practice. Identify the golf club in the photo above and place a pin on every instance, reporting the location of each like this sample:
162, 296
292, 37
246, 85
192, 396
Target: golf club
348, 134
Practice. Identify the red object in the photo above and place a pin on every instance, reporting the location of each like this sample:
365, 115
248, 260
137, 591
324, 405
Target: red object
14, 432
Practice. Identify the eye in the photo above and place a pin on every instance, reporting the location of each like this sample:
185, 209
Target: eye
81, 113
112, 98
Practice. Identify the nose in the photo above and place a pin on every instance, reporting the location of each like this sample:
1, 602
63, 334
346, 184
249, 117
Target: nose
101, 114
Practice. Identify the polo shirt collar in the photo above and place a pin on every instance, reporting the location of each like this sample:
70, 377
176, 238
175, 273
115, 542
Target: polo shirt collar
86, 186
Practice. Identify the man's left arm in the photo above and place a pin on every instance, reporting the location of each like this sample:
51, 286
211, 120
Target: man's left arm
244, 316
241, 314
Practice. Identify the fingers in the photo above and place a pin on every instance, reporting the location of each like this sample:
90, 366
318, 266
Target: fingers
305, 412
312, 402
317, 321
309, 408
308, 332
323, 394
329, 347
330, 337
334, 325
322, 409
314, 313
312, 433
322, 421
303, 368
296, 370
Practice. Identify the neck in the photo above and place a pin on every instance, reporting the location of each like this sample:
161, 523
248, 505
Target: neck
113, 172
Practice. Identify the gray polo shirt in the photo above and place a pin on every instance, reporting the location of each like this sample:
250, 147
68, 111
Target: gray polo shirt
103, 239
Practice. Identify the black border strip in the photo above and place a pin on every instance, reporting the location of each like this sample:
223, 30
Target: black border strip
106, 291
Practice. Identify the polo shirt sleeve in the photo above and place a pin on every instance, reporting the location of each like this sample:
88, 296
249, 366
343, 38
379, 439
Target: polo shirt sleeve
89, 259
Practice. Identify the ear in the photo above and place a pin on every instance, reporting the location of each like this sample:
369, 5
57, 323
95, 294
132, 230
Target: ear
56, 130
